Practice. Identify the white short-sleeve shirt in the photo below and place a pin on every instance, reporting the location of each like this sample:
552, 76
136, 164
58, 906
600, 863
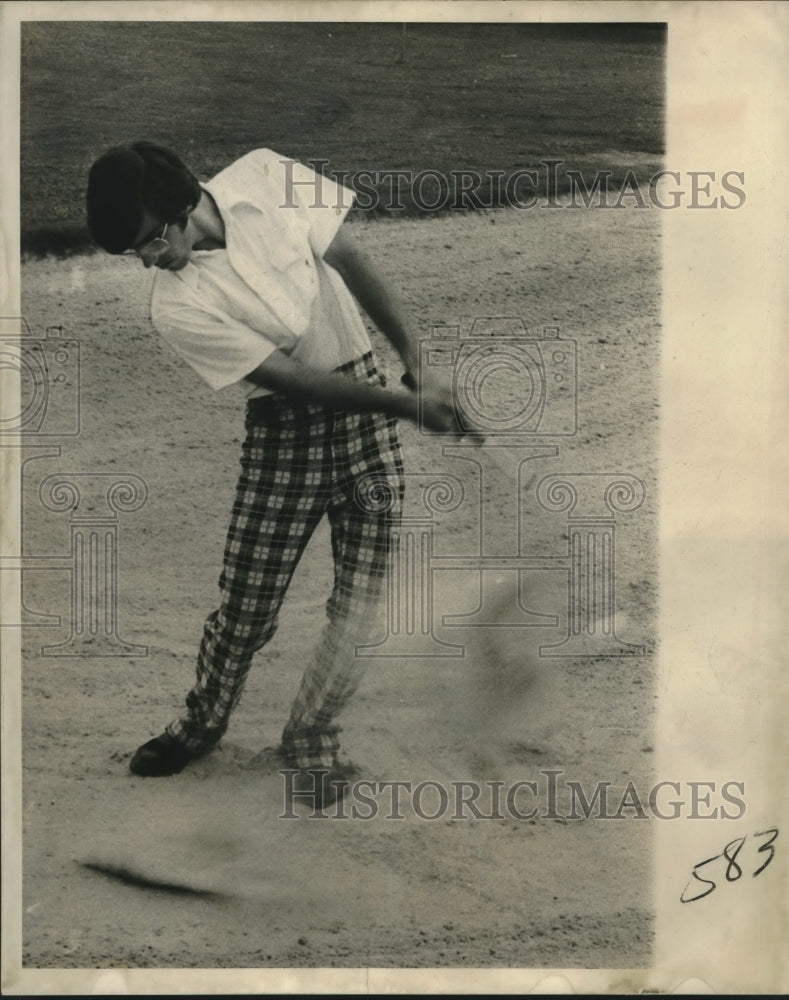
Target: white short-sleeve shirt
269, 288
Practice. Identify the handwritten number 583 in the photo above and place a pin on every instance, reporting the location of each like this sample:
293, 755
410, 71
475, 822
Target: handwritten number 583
733, 866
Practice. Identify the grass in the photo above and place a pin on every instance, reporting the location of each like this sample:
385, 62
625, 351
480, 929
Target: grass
363, 96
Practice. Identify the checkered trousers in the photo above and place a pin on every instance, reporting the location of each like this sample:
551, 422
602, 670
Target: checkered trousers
299, 462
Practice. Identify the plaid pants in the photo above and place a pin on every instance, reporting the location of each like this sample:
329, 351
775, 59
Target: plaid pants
299, 462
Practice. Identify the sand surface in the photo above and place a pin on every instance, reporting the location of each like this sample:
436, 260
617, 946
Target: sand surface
263, 891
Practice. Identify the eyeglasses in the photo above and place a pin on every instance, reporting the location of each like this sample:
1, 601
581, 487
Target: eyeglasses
154, 245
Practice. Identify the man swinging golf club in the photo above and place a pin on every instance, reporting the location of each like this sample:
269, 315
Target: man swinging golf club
254, 285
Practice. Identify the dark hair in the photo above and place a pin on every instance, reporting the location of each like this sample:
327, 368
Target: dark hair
127, 179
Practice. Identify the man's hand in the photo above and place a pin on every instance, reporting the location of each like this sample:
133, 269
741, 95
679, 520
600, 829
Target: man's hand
439, 412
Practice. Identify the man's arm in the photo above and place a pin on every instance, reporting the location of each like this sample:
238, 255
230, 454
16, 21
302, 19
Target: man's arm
280, 373
375, 295
384, 306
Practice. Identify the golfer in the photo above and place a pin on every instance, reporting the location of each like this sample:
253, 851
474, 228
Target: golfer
255, 278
